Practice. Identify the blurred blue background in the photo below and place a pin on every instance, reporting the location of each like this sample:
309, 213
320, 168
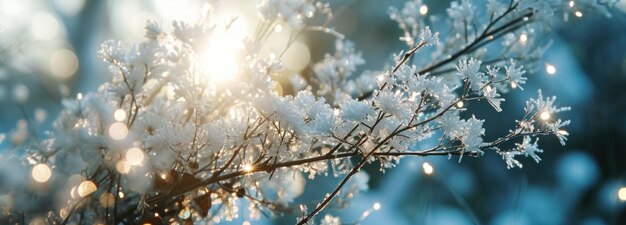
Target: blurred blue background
49, 48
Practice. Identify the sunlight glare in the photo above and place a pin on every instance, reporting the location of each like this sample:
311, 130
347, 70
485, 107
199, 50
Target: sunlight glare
428, 169
423, 9
220, 58
621, 194
551, 69
545, 115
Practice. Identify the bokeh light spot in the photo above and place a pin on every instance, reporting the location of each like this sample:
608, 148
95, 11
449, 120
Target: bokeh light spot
41, 173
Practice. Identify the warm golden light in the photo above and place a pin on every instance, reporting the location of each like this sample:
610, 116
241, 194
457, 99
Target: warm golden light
460, 104
41, 173
63, 63
119, 115
118, 131
551, 69
247, 167
578, 14
545, 115
428, 169
86, 188
107, 200
135, 156
423, 9
123, 166
513, 85
297, 57
220, 59
621, 194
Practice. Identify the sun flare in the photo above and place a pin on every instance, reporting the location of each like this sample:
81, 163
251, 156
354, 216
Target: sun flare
220, 58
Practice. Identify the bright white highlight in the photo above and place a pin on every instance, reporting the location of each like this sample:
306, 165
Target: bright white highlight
551, 69
220, 59
523, 38
545, 115
118, 131
119, 115
578, 14
44, 26
63, 64
278, 28
86, 188
41, 173
135, 156
428, 169
123, 166
621, 194
423, 9
247, 167
376, 206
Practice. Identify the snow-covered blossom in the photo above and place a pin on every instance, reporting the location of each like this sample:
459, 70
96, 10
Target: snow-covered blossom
492, 96
529, 148
410, 20
469, 69
336, 70
153, 30
353, 110
542, 104
509, 158
461, 12
291, 11
515, 74
426, 36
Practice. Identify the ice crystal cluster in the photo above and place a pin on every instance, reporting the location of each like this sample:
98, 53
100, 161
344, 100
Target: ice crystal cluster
164, 142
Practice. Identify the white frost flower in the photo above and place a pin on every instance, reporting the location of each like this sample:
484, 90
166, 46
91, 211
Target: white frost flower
426, 36
492, 96
529, 148
469, 69
352, 110
509, 158
515, 74
291, 11
461, 11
